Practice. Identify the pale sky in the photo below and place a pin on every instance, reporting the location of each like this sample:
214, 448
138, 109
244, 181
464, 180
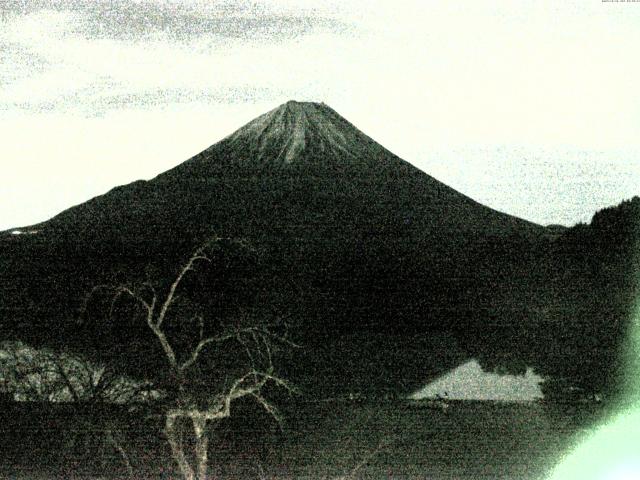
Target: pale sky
531, 107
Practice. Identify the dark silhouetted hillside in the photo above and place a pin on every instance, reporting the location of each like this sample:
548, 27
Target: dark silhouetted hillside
580, 331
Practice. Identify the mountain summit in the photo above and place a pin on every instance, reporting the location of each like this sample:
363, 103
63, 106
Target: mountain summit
284, 133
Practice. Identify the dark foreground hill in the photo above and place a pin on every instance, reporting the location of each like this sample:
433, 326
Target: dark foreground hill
367, 256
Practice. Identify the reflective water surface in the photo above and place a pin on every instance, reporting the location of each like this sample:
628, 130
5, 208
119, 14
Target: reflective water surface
371, 438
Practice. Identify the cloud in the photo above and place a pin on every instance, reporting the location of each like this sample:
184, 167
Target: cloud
99, 98
184, 21
12, 54
100, 56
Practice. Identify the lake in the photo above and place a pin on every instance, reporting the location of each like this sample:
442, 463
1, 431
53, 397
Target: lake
380, 439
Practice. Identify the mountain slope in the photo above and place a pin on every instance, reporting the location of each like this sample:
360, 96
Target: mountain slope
303, 143
347, 236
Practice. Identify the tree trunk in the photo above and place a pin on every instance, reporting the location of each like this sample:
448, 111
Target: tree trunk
177, 450
202, 442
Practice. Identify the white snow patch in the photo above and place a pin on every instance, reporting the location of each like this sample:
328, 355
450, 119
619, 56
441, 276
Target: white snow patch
290, 126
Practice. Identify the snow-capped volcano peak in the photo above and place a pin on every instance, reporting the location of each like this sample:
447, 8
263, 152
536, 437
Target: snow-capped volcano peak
282, 134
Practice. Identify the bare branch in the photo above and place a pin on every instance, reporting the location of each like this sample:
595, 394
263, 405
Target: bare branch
271, 409
85, 303
166, 346
200, 326
57, 362
150, 286
122, 290
352, 474
232, 335
198, 255
247, 350
120, 449
196, 352
280, 382
264, 377
236, 392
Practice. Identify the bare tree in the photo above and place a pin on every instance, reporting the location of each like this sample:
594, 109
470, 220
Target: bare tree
255, 340
42, 375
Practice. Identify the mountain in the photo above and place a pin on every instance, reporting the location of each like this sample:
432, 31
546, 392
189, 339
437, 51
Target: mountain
295, 154
366, 253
